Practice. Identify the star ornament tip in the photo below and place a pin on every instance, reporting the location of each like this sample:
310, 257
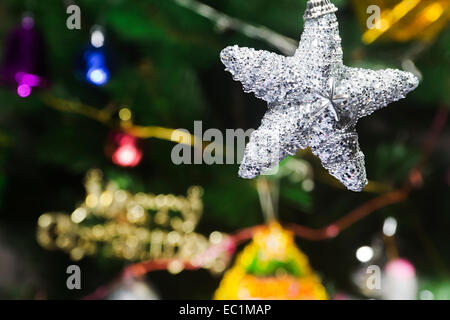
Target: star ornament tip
313, 99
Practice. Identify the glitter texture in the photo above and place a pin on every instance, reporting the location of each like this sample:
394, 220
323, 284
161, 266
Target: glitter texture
313, 99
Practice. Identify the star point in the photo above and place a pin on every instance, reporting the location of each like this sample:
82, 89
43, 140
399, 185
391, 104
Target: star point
313, 99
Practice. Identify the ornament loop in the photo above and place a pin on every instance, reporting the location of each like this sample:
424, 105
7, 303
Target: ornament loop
317, 8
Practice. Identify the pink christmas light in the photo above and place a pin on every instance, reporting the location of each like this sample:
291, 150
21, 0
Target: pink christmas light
23, 90
124, 149
127, 155
400, 268
25, 82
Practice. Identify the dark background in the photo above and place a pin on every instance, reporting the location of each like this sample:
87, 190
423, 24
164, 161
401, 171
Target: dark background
166, 69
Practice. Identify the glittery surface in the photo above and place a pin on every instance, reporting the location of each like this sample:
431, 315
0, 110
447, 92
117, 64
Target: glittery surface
313, 99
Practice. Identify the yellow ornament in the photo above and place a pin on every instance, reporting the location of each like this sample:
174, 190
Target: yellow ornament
403, 20
271, 267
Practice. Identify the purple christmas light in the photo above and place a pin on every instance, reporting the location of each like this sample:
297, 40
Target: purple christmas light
23, 64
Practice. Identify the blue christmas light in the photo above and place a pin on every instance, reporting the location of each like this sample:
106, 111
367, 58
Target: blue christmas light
97, 73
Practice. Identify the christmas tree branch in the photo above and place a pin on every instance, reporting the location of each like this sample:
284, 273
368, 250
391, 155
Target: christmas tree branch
224, 22
104, 116
413, 180
77, 107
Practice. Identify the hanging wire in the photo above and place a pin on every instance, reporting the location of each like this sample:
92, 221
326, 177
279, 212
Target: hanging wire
268, 191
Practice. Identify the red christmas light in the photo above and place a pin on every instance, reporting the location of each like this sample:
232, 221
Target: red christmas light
127, 152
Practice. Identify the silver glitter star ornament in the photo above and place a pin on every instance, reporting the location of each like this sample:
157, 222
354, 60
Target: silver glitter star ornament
313, 99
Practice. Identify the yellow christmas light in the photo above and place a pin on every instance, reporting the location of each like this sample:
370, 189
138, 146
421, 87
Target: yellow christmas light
406, 19
271, 243
134, 227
